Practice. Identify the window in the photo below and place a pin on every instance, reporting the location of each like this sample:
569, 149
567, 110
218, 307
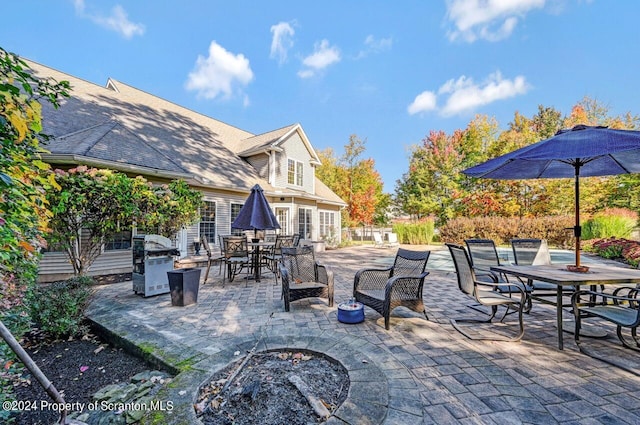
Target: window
327, 224
208, 221
282, 214
295, 172
235, 211
121, 240
304, 223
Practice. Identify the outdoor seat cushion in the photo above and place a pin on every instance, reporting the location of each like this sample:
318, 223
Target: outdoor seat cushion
306, 285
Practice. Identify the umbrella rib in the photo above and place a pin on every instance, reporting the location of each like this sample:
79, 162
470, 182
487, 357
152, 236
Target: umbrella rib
619, 164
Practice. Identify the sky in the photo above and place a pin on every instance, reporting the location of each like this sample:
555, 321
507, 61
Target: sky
389, 72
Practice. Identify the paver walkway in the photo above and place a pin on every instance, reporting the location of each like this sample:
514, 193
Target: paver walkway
418, 372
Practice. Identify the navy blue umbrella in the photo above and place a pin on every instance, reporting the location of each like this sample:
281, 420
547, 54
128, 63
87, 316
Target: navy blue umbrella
256, 213
580, 151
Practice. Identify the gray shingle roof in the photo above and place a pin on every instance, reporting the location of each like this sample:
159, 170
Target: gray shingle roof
120, 124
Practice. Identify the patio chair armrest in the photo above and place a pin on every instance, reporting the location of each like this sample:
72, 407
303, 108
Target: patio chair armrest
495, 277
285, 278
631, 302
371, 278
324, 275
497, 285
630, 292
403, 285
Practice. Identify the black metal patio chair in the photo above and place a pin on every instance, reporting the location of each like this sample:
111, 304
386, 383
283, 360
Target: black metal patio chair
621, 311
485, 294
236, 256
400, 285
211, 257
534, 252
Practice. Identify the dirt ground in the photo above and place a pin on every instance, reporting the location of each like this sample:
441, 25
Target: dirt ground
261, 392
77, 368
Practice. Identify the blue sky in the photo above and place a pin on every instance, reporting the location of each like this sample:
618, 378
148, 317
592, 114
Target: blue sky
387, 71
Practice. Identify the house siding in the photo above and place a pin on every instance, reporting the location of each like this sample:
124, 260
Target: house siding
295, 149
261, 164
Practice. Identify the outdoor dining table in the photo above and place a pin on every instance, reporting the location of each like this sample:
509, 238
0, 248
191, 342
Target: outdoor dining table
558, 274
257, 248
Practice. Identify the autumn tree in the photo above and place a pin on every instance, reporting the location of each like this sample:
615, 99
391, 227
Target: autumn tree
24, 178
356, 181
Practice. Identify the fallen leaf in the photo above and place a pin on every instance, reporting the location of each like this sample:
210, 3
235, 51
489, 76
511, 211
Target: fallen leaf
297, 356
305, 358
283, 356
215, 403
8, 364
84, 368
97, 350
199, 407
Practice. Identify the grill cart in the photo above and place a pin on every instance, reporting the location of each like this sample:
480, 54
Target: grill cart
153, 257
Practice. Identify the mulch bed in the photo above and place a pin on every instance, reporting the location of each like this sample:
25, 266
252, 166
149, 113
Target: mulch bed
77, 368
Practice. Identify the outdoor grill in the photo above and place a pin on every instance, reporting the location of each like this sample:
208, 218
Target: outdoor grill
153, 257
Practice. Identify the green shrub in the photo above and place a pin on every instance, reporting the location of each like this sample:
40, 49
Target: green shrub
58, 308
555, 229
609, 223
421, 233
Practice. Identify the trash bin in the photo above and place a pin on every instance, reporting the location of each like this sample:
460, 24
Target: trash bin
183, 284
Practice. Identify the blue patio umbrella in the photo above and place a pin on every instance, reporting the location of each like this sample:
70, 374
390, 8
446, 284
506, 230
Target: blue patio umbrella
256, 213
580, 151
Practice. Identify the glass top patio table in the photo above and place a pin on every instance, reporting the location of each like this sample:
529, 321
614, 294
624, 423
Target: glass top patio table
557, 274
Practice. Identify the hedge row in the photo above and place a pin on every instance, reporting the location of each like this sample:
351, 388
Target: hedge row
557, 230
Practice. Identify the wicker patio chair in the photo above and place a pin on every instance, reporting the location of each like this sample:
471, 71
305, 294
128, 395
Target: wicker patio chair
211, 257
236, 256
303, 277
395, 286
486, 294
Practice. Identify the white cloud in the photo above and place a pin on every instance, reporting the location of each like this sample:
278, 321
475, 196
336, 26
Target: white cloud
424, 102
220, 74
491, 20
118, 21
464, 95
374, 45
282, 41
322, 56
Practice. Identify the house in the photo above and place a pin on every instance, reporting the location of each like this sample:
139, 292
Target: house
122, 128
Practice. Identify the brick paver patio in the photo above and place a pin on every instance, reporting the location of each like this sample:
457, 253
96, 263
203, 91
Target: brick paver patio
418, 372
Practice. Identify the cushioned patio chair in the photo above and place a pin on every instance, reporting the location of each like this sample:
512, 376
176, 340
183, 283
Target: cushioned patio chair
384, 289
485, 294
303, 277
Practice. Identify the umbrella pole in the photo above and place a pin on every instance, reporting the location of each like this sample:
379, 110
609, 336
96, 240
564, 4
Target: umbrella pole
577, 230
